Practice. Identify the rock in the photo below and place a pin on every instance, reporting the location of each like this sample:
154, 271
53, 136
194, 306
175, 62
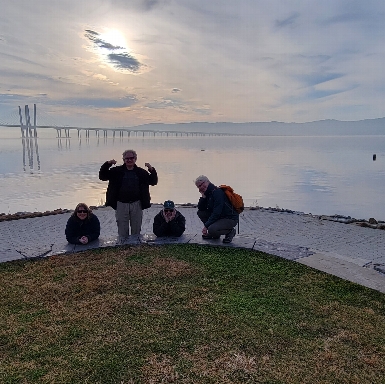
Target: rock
373, 221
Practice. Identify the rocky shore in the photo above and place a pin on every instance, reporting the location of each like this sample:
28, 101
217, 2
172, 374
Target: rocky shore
371, 223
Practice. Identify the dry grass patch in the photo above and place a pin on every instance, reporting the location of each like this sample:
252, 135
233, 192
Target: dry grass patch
185, 314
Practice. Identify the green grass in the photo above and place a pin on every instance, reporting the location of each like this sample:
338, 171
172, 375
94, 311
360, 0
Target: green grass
185, 314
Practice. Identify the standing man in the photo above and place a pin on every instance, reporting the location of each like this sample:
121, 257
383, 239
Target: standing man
169, 221
128, 191
215, 211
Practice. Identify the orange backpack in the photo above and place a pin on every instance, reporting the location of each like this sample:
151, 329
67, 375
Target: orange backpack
235, 199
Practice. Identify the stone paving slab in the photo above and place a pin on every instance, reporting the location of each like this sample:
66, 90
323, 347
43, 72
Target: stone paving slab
10, 255
287, 251
153, 240
298, 237
238, 242
346, 270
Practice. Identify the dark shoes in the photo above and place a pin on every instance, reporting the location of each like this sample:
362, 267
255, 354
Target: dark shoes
229, 237
208, 237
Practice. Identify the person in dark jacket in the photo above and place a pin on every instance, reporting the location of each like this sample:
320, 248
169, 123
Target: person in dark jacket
82, 226
215, 211
169, 222
128, 191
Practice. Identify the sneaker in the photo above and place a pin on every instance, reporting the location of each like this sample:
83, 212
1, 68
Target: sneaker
229, 237
208, 237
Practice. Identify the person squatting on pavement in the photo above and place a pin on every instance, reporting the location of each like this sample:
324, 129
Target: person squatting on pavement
128, 191
82, 226
215, 211
169, 221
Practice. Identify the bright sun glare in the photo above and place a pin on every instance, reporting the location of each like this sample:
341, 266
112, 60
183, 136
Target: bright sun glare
115, 38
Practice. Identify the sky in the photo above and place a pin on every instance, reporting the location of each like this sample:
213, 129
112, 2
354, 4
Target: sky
116, 63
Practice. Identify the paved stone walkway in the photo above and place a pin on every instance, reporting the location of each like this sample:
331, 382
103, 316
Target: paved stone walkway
348, 251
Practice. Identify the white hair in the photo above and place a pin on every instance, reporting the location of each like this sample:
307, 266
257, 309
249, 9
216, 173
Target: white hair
130, 151
201, 179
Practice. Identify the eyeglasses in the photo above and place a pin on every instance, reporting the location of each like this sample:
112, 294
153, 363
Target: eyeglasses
82, 211
200, 185
168, 210
129, 158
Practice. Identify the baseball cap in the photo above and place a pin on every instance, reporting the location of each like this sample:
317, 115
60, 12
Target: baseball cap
169, 204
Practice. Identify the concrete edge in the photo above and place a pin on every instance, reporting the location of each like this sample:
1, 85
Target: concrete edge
347, 270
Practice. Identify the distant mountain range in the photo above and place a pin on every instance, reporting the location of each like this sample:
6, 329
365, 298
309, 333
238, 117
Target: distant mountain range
275, 128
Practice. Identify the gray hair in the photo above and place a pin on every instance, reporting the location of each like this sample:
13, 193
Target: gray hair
130, 151
201, 179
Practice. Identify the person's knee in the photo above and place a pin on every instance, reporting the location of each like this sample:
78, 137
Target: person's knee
213, 230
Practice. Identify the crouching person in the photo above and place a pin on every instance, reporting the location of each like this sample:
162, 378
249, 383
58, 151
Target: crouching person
215, 211
82, 226
169, 221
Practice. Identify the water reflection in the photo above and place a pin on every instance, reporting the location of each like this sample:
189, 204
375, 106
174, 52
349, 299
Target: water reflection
30, 149
66, 141
322, 175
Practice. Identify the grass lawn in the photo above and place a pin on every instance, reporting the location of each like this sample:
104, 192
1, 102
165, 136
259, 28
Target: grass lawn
185, 314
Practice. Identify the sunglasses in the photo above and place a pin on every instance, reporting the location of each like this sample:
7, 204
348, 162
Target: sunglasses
82, 211
168, 210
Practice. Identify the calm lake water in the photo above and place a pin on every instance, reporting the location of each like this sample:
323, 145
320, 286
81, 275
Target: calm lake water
319, 175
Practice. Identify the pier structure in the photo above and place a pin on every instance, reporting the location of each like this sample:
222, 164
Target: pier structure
29, 129
131, 132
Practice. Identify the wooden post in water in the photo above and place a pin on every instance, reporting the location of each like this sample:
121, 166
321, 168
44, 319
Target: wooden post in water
34, 121
21, 123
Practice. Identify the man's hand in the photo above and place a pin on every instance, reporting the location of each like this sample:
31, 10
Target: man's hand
204, 231
168, 216
113, 161
84, 239
149, 166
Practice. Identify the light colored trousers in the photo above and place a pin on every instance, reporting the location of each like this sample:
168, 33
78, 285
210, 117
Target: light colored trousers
128, 215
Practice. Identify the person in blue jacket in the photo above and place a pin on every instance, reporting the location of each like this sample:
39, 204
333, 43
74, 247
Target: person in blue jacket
215, 211
169, 222
82, 226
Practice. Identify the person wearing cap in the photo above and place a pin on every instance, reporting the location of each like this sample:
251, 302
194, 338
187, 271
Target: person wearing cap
215, 211
169, 222
128, 191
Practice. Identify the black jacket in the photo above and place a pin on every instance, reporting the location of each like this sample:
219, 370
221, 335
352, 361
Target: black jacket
77, 228
217, 204
174, 228
114, 176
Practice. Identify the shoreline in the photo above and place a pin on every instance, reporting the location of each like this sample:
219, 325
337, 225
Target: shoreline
371, 223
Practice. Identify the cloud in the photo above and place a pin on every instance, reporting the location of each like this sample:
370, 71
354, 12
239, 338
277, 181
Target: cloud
142, 5
166, 103
318, 77
292, 61
289, 21
319, 93
122, 102
124, 61
94, 36
115, 54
